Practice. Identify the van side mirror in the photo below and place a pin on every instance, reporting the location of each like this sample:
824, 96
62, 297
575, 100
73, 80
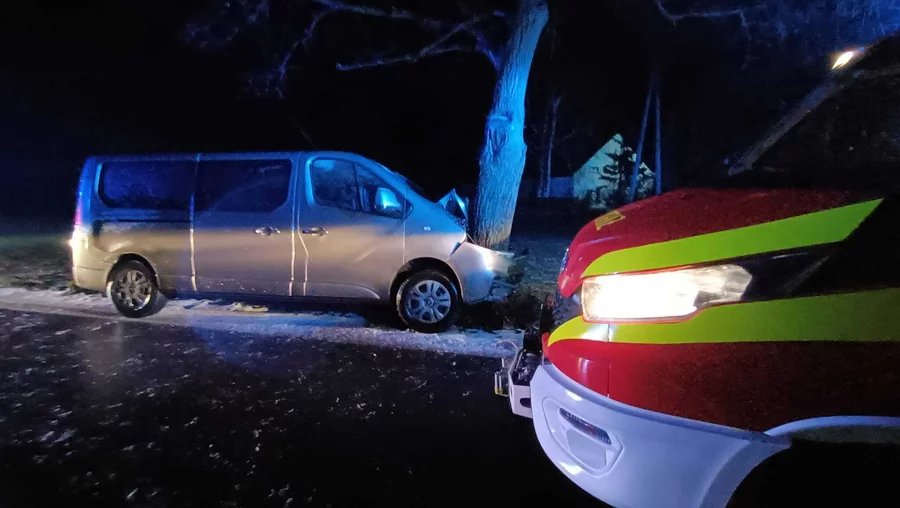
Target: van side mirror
387, 203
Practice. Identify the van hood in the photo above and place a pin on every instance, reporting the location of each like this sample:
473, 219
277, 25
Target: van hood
684, 213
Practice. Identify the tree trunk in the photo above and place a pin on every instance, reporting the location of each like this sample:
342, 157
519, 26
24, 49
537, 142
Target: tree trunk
547, 165
545, 147
502, 158
657, 161
635, 174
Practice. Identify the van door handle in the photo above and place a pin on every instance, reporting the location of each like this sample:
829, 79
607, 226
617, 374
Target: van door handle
267, 231
315, 231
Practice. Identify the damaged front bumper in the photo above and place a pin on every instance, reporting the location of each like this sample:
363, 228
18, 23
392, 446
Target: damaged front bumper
486, 274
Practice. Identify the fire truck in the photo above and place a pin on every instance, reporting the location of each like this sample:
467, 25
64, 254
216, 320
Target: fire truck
742, 334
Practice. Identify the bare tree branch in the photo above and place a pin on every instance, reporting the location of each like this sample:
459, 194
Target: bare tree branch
441, 45
246, 17
296, 124
407, 58
564, 138
813, 28
740, 13
393, 13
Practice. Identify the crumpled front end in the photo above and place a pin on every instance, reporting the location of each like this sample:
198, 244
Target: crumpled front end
485, 274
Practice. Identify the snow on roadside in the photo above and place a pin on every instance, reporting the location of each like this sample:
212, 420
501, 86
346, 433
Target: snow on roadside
215, 316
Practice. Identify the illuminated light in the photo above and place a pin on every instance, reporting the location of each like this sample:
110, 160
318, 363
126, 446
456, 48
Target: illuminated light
77, 240
671, 294
844, 58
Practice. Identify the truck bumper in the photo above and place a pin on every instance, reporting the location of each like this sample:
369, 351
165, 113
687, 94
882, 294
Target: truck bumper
627, 456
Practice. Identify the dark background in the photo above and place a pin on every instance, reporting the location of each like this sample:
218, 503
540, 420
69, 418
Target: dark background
115, 76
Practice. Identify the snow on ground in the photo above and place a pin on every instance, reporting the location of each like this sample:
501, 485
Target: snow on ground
206, 315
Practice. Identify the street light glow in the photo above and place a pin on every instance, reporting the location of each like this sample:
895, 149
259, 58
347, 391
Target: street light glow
843, 59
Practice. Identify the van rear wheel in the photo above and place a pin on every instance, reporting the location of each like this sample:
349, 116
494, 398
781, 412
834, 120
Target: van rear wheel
133, 291
428, 301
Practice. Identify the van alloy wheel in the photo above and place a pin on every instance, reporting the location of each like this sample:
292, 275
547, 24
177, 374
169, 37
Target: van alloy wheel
132, 289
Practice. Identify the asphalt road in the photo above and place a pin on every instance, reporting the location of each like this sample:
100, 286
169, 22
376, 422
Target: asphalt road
96, 412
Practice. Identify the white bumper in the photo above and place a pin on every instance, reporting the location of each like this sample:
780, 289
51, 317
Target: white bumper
628, 456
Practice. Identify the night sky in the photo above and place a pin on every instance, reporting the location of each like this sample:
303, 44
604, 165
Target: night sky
115, 76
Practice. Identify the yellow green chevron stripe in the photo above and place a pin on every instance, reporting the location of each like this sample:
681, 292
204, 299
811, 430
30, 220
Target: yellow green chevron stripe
867, 316
827, 226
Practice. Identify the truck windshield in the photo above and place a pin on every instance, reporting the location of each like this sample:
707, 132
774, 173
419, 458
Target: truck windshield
848, 140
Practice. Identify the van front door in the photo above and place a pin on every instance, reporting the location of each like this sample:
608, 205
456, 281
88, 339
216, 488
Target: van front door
243, 227
352, 232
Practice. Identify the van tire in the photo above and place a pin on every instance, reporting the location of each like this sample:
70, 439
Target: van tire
133, 278
439, 296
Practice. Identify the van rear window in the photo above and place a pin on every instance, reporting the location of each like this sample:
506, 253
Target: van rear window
157, 185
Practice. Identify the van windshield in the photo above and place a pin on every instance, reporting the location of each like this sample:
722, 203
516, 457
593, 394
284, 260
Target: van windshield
412, 185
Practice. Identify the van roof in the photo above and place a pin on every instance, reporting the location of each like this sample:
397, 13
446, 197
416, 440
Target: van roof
219, 156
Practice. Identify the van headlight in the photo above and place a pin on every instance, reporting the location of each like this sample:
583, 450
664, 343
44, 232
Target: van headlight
661, 295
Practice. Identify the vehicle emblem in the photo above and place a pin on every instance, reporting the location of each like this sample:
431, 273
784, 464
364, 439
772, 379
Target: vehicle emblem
607, 219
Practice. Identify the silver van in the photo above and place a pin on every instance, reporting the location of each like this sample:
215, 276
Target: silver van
317, 225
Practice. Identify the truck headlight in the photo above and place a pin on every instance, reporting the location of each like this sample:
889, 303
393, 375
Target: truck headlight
660, 295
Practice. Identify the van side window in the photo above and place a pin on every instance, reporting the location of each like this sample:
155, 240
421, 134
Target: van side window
242, 186
851, 141
334, 184
369, 184
152, 185
343, 184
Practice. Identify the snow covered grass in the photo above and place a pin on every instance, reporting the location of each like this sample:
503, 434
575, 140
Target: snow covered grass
545, 253
205, 315
38, 261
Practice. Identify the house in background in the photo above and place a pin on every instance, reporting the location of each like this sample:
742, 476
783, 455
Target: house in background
603, 176
602, 181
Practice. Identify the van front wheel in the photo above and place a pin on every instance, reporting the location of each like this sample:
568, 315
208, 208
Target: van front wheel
428, 301
133, 291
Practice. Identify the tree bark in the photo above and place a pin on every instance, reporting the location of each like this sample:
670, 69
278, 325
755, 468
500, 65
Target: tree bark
545, 146
657, 161
502, 158
547, 165
635, 174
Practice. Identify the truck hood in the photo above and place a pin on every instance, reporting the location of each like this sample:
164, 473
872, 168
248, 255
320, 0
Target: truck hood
684, 213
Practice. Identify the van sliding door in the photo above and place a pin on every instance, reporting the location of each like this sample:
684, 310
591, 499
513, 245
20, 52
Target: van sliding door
243, 226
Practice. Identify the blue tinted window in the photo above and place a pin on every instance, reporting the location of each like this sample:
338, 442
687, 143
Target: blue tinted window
334, 184
244, 186
158, 185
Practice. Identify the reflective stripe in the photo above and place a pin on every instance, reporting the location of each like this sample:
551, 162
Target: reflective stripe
578, 328
869, 316
817, 228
